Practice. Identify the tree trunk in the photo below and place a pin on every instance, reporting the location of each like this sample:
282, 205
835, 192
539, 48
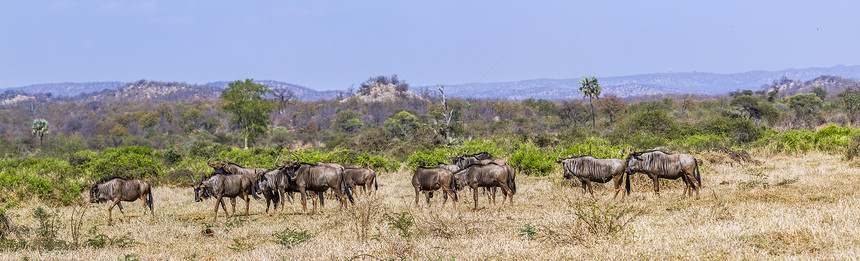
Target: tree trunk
246, 138
591, 101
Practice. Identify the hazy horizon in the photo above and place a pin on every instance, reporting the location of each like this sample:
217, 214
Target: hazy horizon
334, 45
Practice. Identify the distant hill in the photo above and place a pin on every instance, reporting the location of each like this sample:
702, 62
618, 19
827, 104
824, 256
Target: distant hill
640, 85
153, 90
832, 84
301, 92
69, 88
550, 89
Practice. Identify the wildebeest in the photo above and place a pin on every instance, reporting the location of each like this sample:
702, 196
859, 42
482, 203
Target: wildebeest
360, 177
484, 158
274, 185
317, 178
450, 167
487, 176
116, 189
590, 169
229, 186
658, 164
432, 179
227, 167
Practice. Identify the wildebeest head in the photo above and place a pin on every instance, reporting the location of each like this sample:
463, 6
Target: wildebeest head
634, 162
564, 163
219, 167
201, 190
95, 194
461, 179
289, 167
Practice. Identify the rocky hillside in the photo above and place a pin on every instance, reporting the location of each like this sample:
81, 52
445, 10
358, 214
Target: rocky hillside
69, 88
301, 92
381, 92
151, 90
832, 84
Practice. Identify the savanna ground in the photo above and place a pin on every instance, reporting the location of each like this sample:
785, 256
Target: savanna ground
789, 207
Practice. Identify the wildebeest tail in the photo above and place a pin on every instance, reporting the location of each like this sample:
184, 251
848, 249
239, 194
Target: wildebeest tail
627, 180
375, 186
453, 187
149, 202
346, 188
698, 177
511, 182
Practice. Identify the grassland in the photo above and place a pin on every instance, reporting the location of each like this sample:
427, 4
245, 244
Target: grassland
789, 207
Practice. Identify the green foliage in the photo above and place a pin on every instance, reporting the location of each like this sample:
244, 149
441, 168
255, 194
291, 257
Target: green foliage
429, 158
755, 108
129, 162
850, 101
820, 92
531, 160
245, 100
172, 156
805, 105
528, 231
853, 149
291, 237
99, 240
402, 222
347, 121
40, 128
401, 124
738, 130
49, 179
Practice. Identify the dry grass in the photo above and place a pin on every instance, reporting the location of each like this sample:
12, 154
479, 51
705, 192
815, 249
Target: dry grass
789, 207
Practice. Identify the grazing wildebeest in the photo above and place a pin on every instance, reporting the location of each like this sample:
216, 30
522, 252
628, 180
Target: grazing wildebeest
486, 176
484, 158
229, 186
450, 167
270, 184
317, 178
360, 177
229, 168
116, 189
658, 164
590, 169
432, 179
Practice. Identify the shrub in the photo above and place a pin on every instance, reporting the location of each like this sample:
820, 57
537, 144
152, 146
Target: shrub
431, 158
127, 162
531, 160
290, 237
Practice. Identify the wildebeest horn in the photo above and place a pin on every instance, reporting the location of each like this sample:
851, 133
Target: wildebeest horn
559, 155
276, 160
294, 155
192, 179
207, 162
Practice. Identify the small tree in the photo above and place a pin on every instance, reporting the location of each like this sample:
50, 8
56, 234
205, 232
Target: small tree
611, 105
40, 128
805, 105
591, 89
401, 123
850, 100
250, 110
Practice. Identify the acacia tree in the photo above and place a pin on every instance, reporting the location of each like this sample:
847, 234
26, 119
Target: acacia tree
591, 89
611, 105
40, 128
244, 99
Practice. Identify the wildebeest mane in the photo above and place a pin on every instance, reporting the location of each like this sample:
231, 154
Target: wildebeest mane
102, 181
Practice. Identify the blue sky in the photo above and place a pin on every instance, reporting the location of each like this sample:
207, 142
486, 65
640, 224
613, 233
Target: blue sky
335, 44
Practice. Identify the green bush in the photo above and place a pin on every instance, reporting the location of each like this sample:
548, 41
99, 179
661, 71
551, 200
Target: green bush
429, 158
128, 162
531, 160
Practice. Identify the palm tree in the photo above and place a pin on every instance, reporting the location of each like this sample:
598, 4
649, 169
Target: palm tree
590, 89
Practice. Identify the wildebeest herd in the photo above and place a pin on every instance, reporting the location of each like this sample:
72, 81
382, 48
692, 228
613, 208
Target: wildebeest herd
480, 170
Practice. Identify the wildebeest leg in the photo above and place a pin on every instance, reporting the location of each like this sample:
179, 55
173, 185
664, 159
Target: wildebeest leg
694, 184
584, 186
322, 200
617, 181
417, 192
656, 181
475, 197
233, 202
509, 191
110, 209
218, 201
304, 194
590, 188
427, 195
247, 204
